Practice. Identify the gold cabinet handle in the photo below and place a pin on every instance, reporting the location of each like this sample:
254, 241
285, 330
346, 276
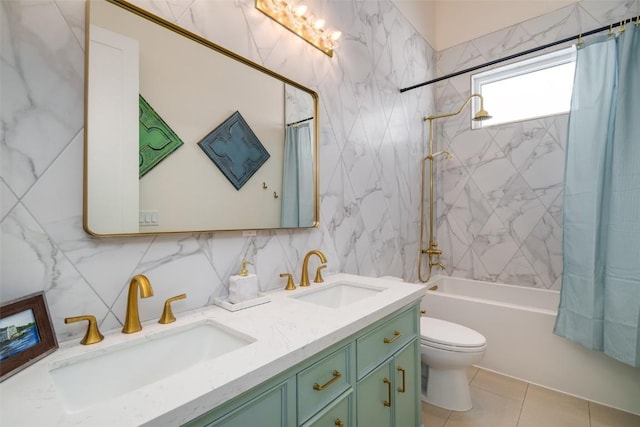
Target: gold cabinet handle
396, 335
167, 314
387, 381
423, 312
404, 380
336, 375
339, 422
93, 334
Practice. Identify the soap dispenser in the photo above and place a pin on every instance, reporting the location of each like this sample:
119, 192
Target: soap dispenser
243, 286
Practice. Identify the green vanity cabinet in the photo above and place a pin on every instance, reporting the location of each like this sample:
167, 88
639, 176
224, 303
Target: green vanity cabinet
270, 408
389, 373
341, 386
339, 413
388, 395
325, 380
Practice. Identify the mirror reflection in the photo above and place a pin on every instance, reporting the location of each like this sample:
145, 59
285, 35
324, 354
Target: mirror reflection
184, 136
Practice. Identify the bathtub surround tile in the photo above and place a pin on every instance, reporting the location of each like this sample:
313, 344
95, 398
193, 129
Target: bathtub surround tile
504, 42
520, 210
543, 248
520, 272
526, 199
494, 174
452, 240
544, 407
470, 267
471, 210
470, 147
610, 11
495, 246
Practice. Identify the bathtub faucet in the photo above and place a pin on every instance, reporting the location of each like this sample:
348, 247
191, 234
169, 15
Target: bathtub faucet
437, 264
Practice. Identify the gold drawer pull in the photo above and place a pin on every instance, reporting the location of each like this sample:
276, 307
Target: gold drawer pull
336, 375
396, 335
404, 382
387, 381
339, 422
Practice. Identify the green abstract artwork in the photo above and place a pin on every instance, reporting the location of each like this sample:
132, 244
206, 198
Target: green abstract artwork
157, 139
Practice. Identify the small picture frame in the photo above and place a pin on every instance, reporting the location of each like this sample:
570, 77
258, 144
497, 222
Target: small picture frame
26, 334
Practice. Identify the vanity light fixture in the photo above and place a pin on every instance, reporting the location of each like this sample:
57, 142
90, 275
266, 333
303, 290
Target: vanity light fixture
293, 16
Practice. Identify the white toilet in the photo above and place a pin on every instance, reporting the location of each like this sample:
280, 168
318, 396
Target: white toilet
449, 349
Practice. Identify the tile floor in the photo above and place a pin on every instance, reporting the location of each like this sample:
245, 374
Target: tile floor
500, 401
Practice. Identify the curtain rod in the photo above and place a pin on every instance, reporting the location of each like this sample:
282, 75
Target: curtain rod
300, 121
526, 52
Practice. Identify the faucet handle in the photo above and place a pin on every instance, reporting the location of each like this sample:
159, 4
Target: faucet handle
167, 314
290, 286
319, 278
93, 334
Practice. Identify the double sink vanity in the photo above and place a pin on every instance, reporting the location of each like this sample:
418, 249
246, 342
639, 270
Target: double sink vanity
341, 353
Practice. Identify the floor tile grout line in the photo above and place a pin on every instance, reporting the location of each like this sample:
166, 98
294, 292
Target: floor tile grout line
524, 398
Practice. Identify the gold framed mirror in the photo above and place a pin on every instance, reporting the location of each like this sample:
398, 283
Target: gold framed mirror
172, 125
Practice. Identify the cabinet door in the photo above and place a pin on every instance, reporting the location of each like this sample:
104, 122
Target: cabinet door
339, 413
374, 398
407, 383
269, 409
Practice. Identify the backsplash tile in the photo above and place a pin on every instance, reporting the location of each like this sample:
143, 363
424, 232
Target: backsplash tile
369, 172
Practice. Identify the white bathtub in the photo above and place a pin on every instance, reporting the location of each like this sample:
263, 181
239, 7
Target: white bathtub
518, 324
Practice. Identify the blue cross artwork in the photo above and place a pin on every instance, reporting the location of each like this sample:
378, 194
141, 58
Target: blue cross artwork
235, 150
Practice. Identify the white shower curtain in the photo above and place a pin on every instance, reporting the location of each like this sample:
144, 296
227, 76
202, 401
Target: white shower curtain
600, 296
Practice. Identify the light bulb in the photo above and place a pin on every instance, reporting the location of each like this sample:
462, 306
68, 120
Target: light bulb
335, 35
318, 24
300, 10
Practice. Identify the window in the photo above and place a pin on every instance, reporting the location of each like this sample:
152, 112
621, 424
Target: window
535, 87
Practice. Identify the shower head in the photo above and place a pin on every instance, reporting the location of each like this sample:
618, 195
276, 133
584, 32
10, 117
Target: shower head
482, 115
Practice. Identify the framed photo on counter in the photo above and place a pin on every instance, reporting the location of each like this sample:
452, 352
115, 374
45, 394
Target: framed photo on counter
26, 334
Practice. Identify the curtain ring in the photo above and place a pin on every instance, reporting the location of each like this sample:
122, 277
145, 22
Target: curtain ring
579, 42
623, 25
638, 21
611, 29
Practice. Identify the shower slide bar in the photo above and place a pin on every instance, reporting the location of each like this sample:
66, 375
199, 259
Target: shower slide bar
526, 52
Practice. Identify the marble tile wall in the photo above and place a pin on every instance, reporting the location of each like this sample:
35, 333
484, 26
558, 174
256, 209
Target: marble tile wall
499, 200
370, 137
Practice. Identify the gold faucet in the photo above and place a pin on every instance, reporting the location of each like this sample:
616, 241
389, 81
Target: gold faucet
132, 317
304, 280
93, 334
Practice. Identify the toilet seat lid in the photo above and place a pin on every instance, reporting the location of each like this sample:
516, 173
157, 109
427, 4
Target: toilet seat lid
450, 334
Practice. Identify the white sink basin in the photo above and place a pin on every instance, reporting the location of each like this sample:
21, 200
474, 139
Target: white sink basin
339, 294
91, 378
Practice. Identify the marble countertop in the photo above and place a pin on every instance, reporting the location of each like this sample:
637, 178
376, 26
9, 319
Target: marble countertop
286, 331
